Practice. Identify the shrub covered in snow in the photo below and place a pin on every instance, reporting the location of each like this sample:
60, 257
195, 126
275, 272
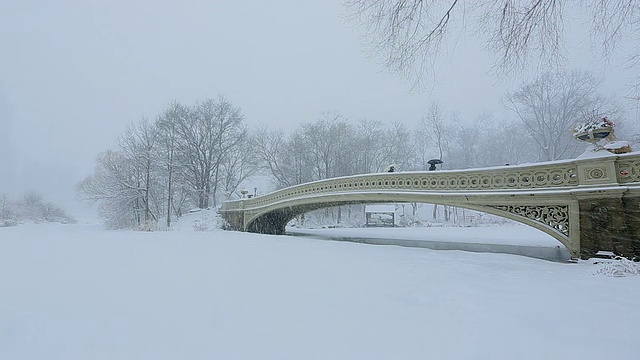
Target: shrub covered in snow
8, 222
616, 267
200, 220
31, 208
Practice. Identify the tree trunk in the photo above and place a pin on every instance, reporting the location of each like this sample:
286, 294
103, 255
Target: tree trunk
169, 187
147, 183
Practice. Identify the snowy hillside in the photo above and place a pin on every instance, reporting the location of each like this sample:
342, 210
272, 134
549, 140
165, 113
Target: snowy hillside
80, 292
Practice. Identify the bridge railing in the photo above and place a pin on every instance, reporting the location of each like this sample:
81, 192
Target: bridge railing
628, 168
597, 171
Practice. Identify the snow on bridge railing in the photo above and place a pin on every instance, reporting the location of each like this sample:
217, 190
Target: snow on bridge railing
551, 175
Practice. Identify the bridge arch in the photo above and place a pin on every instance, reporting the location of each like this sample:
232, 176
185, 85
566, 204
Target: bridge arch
553, 221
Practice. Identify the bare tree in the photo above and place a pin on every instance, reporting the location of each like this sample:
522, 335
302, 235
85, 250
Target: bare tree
504, 143
328, 147
187, 155
369, 153
270, 146
399, 148
522, 31
284, 157
467, 139
409, 33
6, 208
297, 160
433, 126
167, 124
126, 182
115, 185
32, 199
328, 140
406, 34
551, 105
423, 151
210, 130
238, 164
31, 207
231, 160
139, 144
52, 213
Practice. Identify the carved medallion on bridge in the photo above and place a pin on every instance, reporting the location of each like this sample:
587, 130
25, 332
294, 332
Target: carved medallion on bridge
554, 216
596, 173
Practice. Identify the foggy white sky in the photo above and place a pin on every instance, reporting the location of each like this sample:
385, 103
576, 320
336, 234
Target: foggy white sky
74, 73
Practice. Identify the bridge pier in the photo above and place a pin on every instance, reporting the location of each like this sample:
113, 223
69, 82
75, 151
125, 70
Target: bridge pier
235, 220
610, 224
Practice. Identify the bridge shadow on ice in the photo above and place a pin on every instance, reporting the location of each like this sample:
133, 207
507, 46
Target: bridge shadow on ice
529, 242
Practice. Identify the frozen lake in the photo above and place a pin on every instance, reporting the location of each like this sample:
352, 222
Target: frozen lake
506, 239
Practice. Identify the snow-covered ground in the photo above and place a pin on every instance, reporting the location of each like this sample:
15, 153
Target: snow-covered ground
80, 292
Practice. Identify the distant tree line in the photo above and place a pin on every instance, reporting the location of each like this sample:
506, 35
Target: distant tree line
543, 113
31, 207
197, 156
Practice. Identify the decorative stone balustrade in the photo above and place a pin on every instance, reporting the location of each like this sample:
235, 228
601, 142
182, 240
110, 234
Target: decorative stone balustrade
503, 178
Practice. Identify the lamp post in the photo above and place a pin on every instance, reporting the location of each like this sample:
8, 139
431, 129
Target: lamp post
244, 193
432, 167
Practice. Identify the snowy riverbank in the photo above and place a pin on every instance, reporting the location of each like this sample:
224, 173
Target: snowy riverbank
81, 292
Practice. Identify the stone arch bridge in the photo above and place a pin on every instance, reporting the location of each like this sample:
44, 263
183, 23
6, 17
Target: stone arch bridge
588, 204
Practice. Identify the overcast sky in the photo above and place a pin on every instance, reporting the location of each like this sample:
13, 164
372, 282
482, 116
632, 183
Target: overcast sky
74, 73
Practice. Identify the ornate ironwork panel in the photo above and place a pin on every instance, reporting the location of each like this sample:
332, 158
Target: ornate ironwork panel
554, 216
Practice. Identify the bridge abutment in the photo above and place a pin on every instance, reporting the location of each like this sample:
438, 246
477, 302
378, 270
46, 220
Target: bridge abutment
610, 224
631, 243
235, 220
